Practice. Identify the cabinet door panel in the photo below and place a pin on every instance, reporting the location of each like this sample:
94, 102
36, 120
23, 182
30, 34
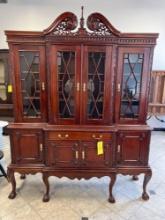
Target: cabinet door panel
62, 154
131, 89
27, 146
96, 88
30, 83
91, 158
65, 84
133, 148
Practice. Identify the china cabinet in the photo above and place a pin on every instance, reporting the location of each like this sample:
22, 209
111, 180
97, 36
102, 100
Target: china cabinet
80, 101
6, 106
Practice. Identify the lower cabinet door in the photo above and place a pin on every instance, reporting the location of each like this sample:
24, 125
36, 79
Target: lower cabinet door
96, 155
27, 146
132, 148
78, 154
63, 153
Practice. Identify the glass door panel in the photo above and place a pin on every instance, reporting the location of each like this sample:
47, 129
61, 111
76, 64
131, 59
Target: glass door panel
131, 85
30, 83
65, 67
131, 90
3, 89
66, 83
95, 84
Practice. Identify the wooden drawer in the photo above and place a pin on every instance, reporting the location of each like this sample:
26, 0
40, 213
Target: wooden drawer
76, 135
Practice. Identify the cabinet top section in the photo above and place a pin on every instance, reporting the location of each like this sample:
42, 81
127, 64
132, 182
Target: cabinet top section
65, 28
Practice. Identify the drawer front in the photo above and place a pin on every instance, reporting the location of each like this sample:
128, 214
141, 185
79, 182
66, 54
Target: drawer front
64, 135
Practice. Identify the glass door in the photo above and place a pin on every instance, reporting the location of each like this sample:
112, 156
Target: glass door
30, 83
65, 66
131, 89
96, 85
3, 86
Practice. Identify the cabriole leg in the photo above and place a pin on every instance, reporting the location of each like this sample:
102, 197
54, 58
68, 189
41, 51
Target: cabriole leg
11, 177
46, 182
112, 182
147, 178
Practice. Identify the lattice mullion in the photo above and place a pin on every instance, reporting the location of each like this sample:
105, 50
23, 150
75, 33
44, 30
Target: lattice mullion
132, 66
129, 106
95, 106
34, 108
131, 73
66, 104
99, 62
96, 66
30, 100
27, 63
100, 90
69, 60
66, 66
28, 71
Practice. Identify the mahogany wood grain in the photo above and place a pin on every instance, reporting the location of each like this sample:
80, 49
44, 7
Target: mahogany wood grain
59, 146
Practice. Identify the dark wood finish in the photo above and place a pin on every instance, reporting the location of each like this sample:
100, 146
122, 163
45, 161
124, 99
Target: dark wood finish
132, 148
28, 146
85, 135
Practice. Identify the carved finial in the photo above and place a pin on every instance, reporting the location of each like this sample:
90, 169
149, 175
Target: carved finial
82, 18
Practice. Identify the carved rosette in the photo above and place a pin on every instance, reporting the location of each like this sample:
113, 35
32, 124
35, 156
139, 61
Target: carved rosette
100, 26
66, 23
63, 25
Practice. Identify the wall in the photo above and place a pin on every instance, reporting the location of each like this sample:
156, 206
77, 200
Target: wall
125, 15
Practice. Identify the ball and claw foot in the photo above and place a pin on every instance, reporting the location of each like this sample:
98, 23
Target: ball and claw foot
46, 198
111, 199
12, 195
145, 196
23, 176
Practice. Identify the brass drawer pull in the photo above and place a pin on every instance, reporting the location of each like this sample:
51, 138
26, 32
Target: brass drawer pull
41, 147
97, 138
118, 149
83, 155
65, 136
118, 87
43, 86
77, 155
78, 87
84, 87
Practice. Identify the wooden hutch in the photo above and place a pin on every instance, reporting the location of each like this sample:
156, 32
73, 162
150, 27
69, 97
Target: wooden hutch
6, 106
80, 101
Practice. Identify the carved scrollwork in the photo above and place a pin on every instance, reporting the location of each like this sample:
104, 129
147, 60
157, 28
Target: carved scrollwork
63, 25
100, 26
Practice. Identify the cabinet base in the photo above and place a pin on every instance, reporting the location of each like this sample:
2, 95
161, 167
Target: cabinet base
87, 174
